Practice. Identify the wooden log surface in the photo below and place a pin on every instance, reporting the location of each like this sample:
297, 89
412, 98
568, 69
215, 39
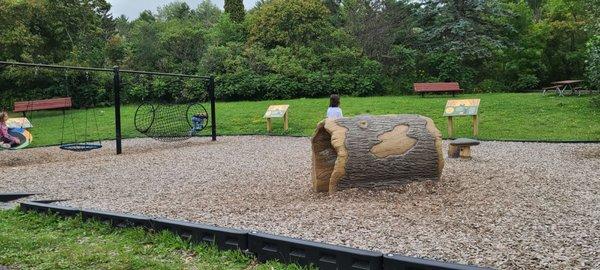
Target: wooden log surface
370, 151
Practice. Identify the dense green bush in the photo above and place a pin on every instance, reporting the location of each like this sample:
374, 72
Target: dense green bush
525, 82
280, 73
489, 86
593, 62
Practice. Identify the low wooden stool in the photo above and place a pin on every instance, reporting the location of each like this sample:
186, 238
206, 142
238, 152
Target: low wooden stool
461, 148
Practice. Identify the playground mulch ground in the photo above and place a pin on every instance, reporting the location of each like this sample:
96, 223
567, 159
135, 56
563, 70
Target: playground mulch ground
513, 206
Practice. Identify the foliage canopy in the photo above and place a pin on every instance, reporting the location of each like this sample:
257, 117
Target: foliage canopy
305, 48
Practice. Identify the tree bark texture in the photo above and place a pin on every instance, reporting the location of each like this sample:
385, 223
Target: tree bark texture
371, 151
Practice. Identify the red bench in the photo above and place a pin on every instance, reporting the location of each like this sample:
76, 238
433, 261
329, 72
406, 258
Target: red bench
437, 87
46, 104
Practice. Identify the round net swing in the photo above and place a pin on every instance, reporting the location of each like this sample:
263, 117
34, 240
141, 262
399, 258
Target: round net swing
81, 141
79, 138
168, 118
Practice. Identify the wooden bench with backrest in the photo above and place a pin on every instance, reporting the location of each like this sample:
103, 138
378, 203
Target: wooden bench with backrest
423, 88
45, 104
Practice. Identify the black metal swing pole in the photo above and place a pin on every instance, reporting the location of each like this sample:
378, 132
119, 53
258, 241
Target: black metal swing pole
117, 89
211, 92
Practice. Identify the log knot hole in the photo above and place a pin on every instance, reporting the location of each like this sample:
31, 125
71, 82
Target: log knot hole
363, 124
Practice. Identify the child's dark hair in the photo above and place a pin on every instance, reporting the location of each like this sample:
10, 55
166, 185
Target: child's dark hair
334, 101
3, 116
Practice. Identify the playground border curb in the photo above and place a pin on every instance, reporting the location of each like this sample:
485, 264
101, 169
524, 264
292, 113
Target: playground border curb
399, 262
223, 238
324, 256
7, 197
263, 246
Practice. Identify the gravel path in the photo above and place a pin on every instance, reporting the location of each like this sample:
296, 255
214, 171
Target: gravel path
514, 206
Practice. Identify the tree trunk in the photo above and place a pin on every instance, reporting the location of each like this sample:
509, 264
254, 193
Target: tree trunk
370, 151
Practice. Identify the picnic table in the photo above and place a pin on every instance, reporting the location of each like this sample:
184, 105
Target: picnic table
562, 86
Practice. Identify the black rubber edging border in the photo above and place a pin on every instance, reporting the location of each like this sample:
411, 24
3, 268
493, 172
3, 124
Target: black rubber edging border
264, 247
7, 197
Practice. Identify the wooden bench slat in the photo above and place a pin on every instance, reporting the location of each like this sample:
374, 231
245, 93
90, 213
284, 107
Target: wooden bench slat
46, 104
437, 87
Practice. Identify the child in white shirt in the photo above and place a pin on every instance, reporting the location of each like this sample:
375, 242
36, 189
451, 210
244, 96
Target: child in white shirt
334, 111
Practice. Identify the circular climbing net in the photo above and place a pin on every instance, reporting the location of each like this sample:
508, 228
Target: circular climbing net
170, 122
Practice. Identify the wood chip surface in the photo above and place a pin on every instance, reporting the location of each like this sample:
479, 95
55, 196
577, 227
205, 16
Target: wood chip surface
513, 206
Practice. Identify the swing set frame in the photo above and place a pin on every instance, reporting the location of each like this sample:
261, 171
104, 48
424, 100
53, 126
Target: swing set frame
117, 71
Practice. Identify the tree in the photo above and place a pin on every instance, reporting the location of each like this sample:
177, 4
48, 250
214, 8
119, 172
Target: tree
519, 66
146, 52
379, 24
53, 31
457, 38
115, 50
593, 45
225, 31
208, 13
175, 10
472, 29
593, 7
593, 62
565, 51
235, 9
184, 43
146, 16
289, 22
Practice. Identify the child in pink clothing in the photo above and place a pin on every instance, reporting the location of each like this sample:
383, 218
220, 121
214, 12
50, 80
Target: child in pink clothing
6, 140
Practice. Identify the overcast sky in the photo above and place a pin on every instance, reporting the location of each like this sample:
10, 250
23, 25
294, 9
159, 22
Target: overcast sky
132, 8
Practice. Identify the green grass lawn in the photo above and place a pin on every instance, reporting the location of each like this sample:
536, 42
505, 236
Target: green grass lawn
505, 116
39, 241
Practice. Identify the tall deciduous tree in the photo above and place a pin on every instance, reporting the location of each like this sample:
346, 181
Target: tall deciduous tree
235, 9
379, 24
472, 29
289, 22
565, 47
175, 10
593, 46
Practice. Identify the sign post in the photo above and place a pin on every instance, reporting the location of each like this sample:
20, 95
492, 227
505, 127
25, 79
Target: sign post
462, 107
277, 111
